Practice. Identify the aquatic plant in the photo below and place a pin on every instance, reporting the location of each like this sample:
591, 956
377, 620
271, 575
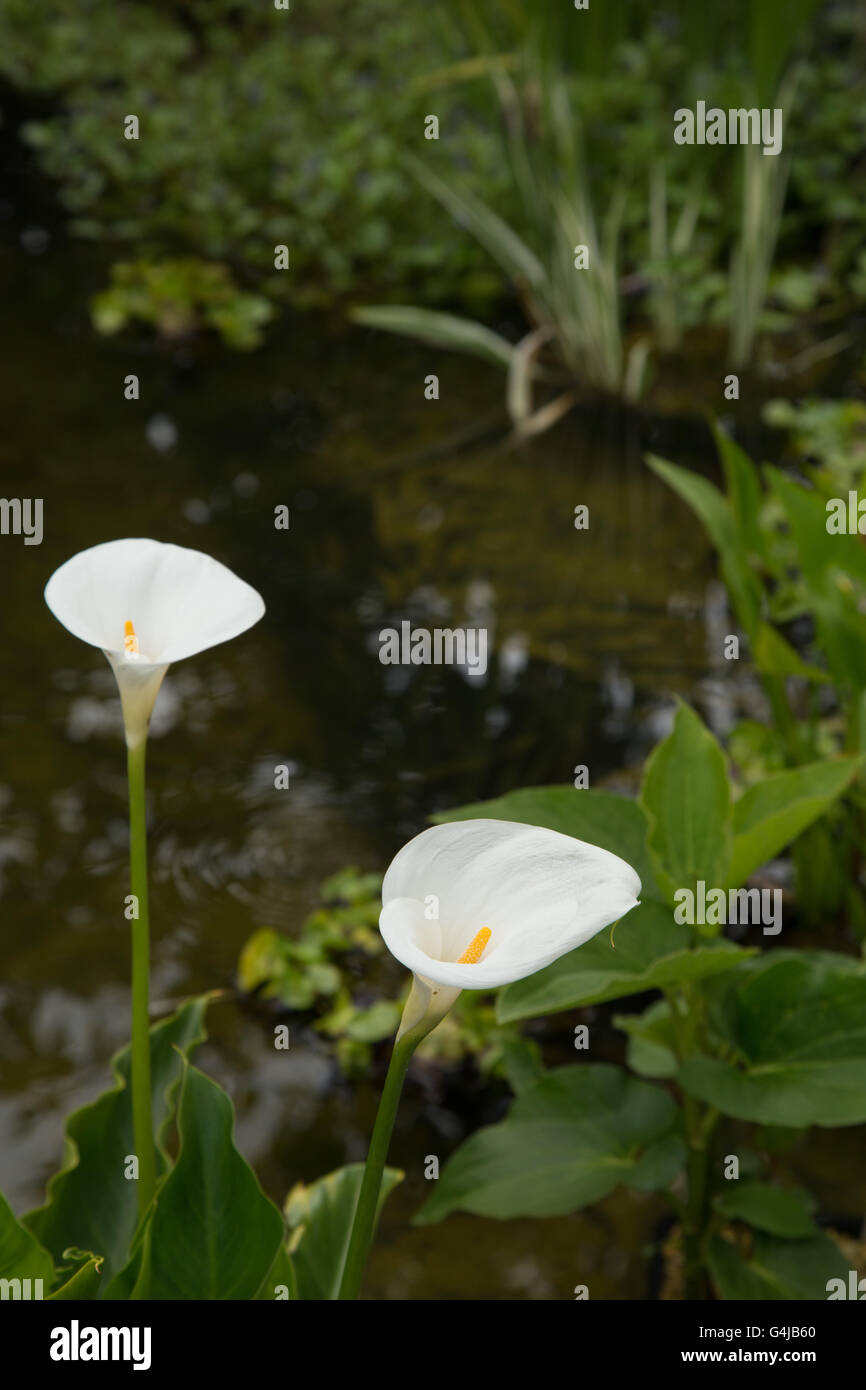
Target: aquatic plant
788, 567
146, 605
543, 894
741, 1044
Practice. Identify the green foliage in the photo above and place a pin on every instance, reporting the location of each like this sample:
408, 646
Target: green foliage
776, 1039
257, 129
782, 560
568, 1140
319, 1217
688, 803
776, 810
781, 1211
652, 1046
316, 973
90, 1203
304, 971
831, 435
21, 1255
793, 1027
212, 1233
178, 297
439, 330
649, 951
770, 1268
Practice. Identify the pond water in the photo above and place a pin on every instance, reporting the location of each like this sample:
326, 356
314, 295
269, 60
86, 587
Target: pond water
400, 508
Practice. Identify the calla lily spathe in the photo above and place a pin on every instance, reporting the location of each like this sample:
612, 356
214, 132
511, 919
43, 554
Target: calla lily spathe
147, 604
474, 905
508, 898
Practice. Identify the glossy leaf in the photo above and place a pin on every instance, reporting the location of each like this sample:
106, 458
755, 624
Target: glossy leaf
321, 1214
781, 1211
775, 656
796, 1025
567, 1141
716, 513
651, 1045
21, 1254
280, 1280
90, 1204
649, 951
775, 811
213, 1233
509, 250
776, 1268
438, 330
686, 796
84, 1284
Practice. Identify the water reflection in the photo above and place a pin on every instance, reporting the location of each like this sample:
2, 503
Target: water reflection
590, 631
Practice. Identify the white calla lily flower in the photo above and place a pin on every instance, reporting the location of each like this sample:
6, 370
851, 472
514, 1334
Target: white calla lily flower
474, 905
147, 604
508, 899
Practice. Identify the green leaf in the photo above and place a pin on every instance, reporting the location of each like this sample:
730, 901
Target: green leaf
510, 252
439, 330
776, 1269
90, 1204
280, 1276
321, 1214
21, 1254
714, 510
818, 550
615, 823
834, 569
775, 656
743, 485
687, 798
782, 1211
520, 1059
773, 28
650, 951
774, 812
651, 1044
84, 1284
521, 369
567, 1141
213, 1233
796, 1022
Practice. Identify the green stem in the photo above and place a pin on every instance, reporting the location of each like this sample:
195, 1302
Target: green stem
368, 1197
142, 1118
696, 1211
700, 1122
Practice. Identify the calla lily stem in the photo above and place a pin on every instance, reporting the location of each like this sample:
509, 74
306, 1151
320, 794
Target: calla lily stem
368, 1197
142, 1118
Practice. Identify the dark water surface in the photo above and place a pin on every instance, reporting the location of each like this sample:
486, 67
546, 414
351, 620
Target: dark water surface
592, 632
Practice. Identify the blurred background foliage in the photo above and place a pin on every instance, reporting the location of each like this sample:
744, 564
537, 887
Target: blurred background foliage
262, 127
